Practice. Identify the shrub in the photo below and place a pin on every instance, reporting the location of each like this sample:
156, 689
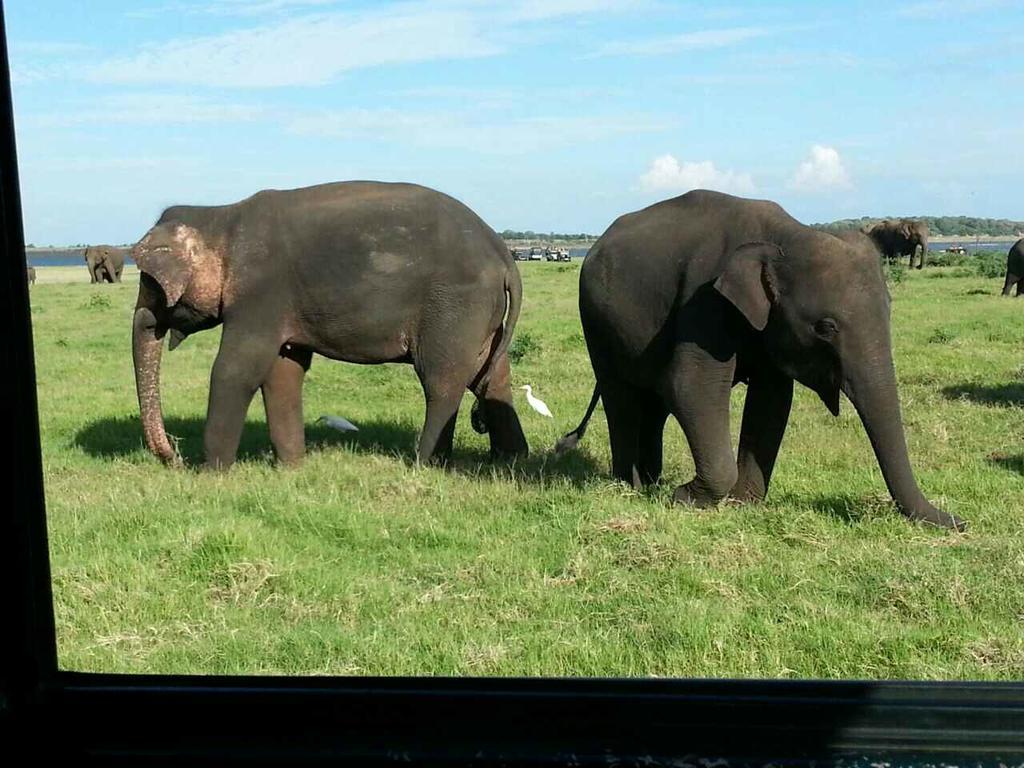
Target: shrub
989, 263
97, 301
522, 345
894, 273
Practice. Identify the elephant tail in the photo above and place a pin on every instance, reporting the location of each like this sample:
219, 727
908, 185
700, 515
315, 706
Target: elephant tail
571, 440
513, 287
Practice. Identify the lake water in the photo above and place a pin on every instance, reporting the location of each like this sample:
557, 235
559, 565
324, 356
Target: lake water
65, 257
73, 257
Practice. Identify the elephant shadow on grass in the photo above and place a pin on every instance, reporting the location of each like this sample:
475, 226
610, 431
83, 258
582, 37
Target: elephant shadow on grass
845, 508
111, 438
1007, 395
1009, 463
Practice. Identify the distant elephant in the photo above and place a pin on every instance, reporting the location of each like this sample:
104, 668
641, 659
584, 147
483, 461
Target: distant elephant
31, 274
1015, 269
359, 271
105, 263
901, 237
688, 297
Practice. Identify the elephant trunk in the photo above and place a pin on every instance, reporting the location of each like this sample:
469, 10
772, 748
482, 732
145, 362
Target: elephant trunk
874, 396
147, 347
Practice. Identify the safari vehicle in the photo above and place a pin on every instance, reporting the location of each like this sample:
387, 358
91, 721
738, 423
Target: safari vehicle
557, 254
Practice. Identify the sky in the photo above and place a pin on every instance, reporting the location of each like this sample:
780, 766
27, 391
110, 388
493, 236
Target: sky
550, 115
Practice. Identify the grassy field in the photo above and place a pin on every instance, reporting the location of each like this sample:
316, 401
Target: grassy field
359, 562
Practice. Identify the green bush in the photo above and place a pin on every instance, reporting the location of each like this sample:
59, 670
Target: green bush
894, 273
989, 263
941, 336
946, 259
97, 301
522, 345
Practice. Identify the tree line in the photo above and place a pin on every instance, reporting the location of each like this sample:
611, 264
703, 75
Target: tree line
956, 226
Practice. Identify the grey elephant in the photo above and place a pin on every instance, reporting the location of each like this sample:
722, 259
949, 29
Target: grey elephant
686, 298
901, 237
105, 263
30, 273
1015, 269
359, 271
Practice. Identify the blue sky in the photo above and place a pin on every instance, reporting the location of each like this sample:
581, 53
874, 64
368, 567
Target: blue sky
538, 114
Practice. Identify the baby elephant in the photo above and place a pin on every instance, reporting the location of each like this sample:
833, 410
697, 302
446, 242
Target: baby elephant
687, 298
359, 271
1015, 269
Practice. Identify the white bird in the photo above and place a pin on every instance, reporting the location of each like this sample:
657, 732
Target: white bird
338, 423
535, 402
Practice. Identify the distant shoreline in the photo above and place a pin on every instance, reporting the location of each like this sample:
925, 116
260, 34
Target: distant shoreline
575, 243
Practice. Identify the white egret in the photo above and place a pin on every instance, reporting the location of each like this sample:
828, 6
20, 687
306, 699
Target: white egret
338, 423
535, 402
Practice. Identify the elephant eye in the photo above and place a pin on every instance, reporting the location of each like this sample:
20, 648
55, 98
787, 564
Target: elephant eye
826, 328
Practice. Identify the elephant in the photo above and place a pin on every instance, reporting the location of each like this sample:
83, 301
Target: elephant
1015, 269
688, 297
30, 273
105, 263
359, 271
901, 237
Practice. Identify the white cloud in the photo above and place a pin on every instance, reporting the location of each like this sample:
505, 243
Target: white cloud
465, 130
311, 50
667, 174
942, 9
823, 170
539, 10
314, 48
150, 109
690, 41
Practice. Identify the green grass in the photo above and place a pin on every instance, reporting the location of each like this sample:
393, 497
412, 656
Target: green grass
359, 562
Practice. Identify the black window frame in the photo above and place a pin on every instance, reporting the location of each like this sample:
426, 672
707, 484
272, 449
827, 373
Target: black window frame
170, 719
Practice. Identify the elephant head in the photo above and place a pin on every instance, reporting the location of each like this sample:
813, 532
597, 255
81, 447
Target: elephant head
822, 308
180, 290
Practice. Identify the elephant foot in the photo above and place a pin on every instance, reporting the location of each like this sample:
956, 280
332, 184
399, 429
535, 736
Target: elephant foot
509, 454
747, 495
938, 518
687, 494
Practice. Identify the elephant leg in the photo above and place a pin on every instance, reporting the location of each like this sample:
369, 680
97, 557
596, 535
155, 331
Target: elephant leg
650, 443
438, 435
93, 279
765, 415
242, 365
699, 397
282, 400
499, 413
1011, 281
622, 411
444, 381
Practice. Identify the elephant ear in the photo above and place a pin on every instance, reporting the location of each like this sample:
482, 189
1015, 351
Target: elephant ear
747, 281
167, 260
